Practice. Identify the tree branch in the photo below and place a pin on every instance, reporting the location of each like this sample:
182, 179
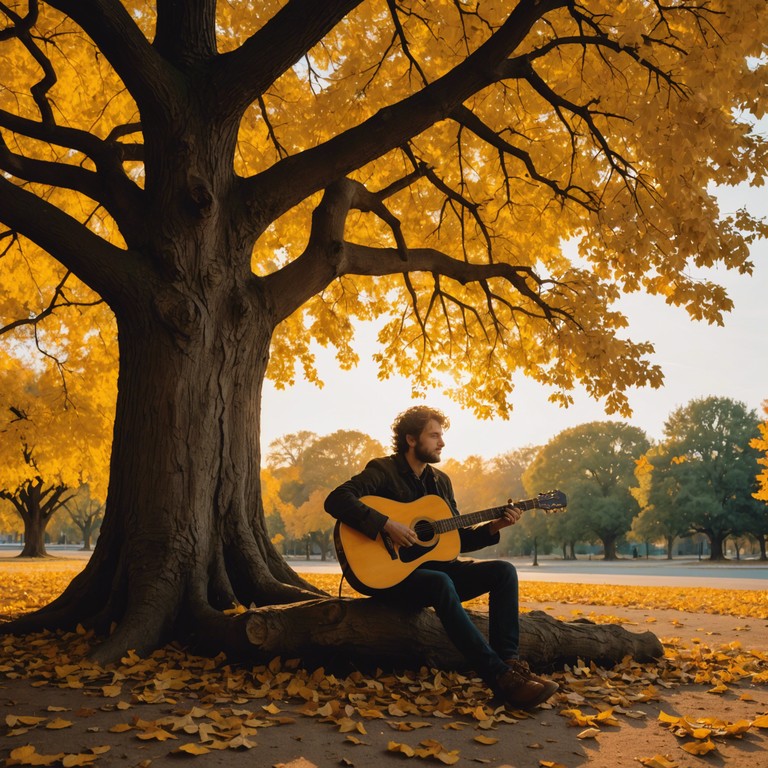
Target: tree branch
103, 267
142, 69
53, 305
294, 178
472, 122
276, 47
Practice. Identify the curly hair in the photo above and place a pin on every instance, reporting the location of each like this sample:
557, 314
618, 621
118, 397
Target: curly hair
412, 422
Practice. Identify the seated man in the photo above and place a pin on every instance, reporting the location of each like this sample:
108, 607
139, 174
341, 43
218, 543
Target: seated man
406, 476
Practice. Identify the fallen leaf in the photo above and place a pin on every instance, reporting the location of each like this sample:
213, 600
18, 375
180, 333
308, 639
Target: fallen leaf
191, 749
699, 747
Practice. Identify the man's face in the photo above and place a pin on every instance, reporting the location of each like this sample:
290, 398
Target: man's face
429, 444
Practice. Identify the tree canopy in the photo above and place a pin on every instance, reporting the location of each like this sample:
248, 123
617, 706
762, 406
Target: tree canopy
451, 157
234, 180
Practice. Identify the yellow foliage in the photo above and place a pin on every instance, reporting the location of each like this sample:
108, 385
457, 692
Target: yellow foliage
57, 411
761, 444
567, 176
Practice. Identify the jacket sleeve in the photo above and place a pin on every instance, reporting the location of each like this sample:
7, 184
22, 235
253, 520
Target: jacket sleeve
344, 503
476, 538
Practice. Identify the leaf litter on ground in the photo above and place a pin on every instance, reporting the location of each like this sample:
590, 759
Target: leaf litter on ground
233, 702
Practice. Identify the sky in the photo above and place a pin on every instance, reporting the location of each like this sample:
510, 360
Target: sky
698, 360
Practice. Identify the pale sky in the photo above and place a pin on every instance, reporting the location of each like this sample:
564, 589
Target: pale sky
698, 360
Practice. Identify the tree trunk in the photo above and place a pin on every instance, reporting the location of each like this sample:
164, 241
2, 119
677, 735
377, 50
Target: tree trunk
716, 545
670, 544
34, 535
609, 548
36, 505
369, 632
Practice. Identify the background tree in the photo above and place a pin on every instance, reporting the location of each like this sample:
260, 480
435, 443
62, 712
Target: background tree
533, 528
334, 458
288, 450
761, 444
659, 516
707, 469
594, 465
234, 180
53, 436
312, 523
475, 483
86, 511
307, 468
273, 505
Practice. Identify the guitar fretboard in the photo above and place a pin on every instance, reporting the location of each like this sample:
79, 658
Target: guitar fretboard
483, 516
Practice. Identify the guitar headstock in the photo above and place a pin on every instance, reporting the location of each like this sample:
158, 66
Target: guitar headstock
551, 501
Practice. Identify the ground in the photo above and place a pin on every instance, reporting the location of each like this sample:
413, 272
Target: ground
170, 708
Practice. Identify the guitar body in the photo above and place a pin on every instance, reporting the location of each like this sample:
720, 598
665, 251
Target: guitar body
367, 563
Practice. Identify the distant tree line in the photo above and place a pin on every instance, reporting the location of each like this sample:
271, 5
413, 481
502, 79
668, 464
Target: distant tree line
707, 477
703, 478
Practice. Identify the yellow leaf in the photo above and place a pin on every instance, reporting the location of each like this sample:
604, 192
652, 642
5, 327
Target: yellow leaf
13, 720
485, 740
58, 724
699, 747
404, 749
28, 755
160, 734
657, 761
191, 749
70, 761
121, 728
588, 733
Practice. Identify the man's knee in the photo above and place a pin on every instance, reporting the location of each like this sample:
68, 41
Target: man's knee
443, 589
505, 573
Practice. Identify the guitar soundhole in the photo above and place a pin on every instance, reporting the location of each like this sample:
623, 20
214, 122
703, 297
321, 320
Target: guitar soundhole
424, 530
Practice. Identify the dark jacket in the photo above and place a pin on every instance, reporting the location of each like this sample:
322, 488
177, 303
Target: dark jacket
393, 478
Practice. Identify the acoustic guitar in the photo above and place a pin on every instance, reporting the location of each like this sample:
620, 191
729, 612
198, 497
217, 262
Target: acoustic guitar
372, 564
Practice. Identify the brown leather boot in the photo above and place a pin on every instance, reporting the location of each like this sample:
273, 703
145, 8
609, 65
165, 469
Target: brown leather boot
523, 668
519, 689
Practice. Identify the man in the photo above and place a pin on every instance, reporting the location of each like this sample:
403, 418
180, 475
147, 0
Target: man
406, 476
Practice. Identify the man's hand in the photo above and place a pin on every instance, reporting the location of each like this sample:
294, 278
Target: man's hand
511, 515
401, 535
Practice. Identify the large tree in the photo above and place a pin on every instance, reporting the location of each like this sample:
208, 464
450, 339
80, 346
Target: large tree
234, 179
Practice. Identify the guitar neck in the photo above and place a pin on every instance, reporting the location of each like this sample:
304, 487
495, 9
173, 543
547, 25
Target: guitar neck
483, 516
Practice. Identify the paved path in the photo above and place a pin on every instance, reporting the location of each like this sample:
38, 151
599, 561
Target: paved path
681, 572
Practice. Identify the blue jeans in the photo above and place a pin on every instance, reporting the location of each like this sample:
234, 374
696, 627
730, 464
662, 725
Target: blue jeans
444, 586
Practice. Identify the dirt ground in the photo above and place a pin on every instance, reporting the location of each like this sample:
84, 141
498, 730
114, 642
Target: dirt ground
544, 739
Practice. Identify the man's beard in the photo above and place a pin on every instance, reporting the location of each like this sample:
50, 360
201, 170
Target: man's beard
422, 454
